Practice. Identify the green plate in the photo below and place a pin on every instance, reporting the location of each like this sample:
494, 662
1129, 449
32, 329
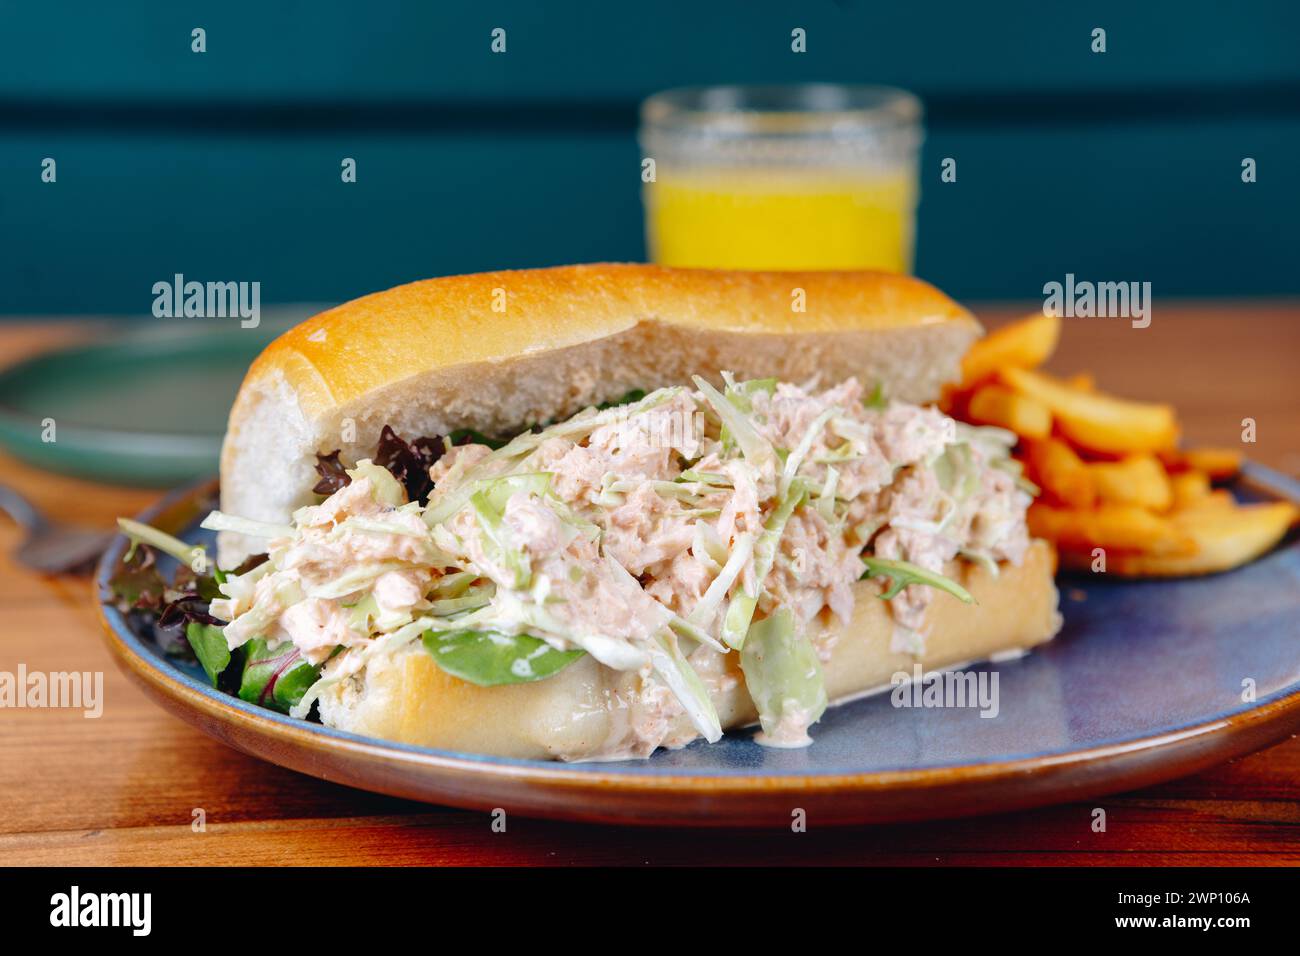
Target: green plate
147, 407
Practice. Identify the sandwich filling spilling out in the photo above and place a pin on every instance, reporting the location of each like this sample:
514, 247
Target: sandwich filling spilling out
657, 536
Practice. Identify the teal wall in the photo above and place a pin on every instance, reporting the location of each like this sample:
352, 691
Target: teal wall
225, 165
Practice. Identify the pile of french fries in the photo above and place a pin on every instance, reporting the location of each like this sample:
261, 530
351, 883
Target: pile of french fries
1117, 493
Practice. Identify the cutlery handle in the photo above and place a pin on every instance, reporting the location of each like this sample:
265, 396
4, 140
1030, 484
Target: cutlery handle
20, 509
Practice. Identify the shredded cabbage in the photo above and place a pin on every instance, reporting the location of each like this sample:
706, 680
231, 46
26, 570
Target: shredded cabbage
672, 667
741, 610
784, 678
219, 521
709, 604
756, 449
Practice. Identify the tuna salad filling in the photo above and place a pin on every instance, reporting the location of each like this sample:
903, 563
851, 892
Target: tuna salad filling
655, 536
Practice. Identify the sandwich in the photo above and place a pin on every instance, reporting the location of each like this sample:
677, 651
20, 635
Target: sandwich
588, 512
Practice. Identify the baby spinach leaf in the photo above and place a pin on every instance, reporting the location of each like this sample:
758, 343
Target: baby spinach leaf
209, 644
489, 658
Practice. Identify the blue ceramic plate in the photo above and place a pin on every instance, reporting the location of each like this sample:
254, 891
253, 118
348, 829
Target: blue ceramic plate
144, 404
1147, 681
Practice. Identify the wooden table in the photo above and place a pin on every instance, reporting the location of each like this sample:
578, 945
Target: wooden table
122, 789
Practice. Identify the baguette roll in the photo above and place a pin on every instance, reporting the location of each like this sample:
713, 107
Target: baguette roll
496, 351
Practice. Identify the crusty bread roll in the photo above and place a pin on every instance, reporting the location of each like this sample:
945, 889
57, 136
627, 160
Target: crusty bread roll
500, 349
588, 710
497, 350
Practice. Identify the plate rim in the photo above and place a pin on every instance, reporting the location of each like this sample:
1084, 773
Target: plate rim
1266, 721
181, 342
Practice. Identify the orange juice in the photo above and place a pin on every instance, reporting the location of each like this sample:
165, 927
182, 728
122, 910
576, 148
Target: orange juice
808, 218
804, 176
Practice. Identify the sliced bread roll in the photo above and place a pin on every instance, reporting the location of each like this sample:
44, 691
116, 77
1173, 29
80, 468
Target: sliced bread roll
496, 351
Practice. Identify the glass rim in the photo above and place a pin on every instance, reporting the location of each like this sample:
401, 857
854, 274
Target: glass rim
797, 109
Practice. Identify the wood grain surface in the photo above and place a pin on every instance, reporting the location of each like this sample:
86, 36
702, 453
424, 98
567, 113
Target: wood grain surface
125, 788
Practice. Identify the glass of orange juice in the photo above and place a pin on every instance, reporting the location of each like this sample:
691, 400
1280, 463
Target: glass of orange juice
813, 176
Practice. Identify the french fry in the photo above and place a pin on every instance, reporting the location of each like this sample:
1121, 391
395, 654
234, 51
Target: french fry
1221, 464
1224, 538
1133, 480
1216, 500
1027, 343
1112, 527
1096, 421
1060, 472
1189, 488
996, 405
953, 401
1111, 473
